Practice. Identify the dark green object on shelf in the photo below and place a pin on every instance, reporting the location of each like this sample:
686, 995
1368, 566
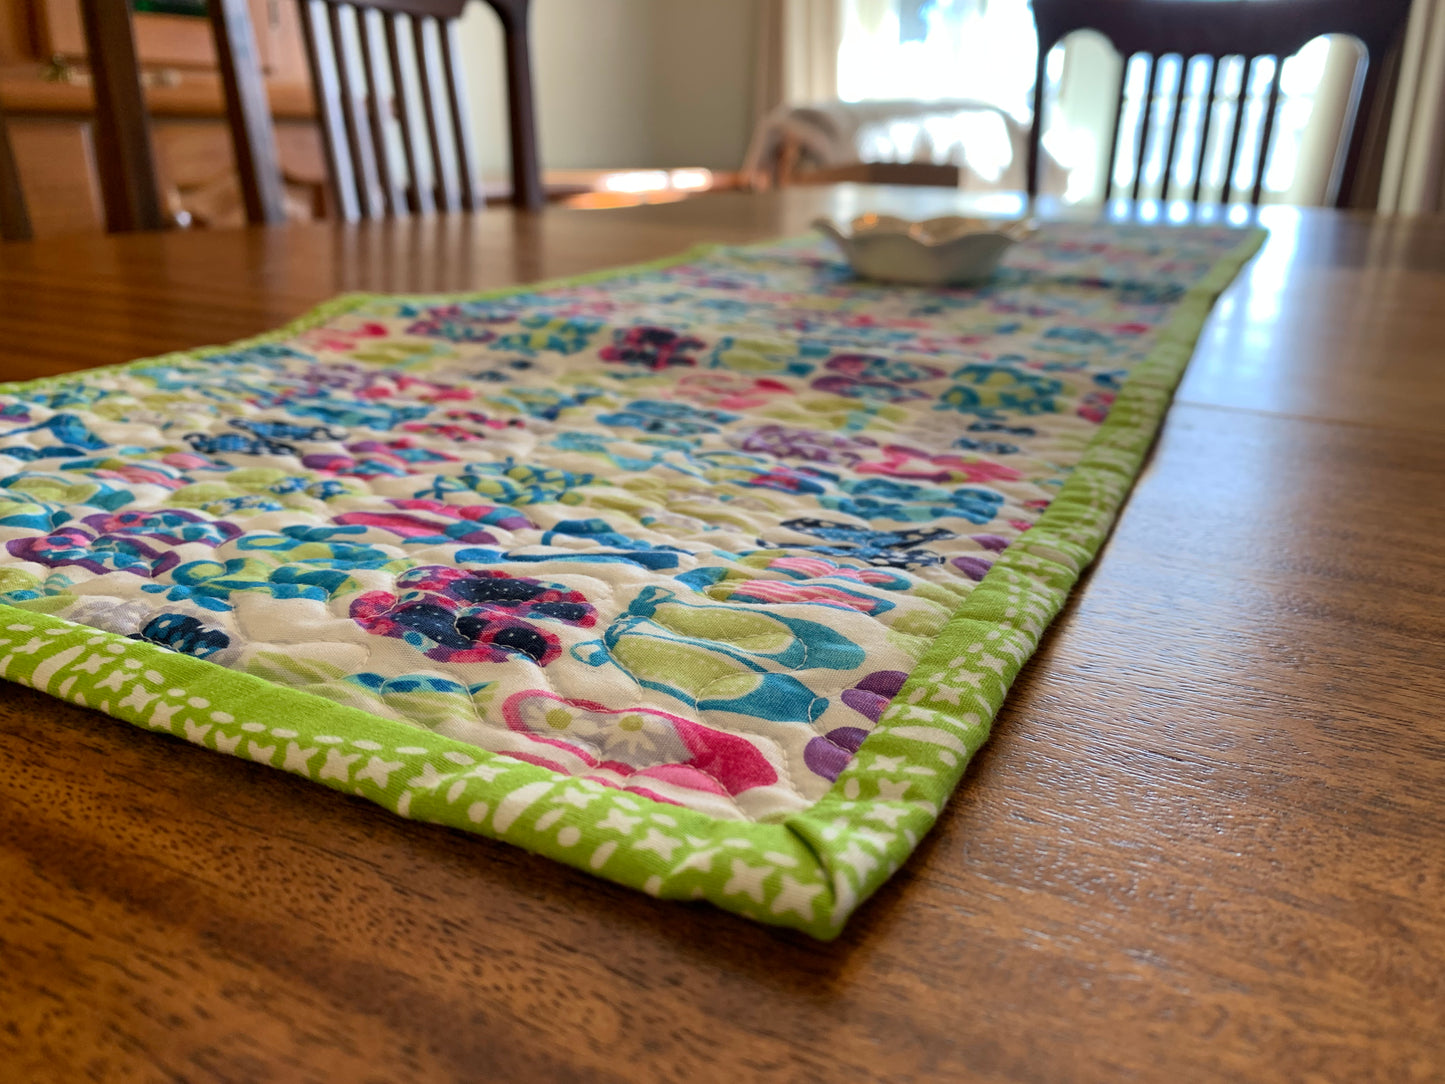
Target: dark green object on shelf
172, 7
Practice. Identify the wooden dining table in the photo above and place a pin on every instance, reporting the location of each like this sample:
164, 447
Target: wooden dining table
1205, 842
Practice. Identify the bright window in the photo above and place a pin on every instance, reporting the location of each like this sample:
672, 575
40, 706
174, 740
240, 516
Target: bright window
930, 50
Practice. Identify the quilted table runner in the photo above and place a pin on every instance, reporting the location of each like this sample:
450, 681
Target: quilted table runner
706, 577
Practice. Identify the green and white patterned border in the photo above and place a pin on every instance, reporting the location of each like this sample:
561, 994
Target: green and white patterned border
810, 871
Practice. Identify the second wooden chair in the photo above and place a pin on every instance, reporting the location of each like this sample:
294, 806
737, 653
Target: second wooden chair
387, 75
1216, 31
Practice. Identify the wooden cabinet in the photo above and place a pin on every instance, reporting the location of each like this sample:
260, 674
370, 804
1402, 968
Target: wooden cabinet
56, 160
45, 92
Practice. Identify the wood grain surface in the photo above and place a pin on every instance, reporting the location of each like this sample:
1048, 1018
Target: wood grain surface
1206, 842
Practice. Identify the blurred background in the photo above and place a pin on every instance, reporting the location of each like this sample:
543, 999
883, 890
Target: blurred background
650, 100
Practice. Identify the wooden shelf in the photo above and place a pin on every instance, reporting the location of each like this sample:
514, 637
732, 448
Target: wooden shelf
195, 94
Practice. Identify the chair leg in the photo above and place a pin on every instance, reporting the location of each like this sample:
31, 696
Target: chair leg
1036, 130
789, 155
123, 139
14, 217
526, 172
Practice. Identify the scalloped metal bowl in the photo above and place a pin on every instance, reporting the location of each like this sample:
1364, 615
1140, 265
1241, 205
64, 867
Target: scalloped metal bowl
946, 251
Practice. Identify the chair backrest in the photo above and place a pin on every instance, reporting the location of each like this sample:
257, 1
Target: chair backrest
1215, 30
376, 64
14, 216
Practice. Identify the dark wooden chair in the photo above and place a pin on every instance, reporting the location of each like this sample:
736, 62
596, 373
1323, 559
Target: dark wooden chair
122, 132
1251, 29
358, 51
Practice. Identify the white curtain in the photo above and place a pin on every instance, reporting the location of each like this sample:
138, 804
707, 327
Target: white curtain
797, 53
1414, 172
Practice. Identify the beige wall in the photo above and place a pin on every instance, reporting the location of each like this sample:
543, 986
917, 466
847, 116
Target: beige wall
702, 80
623, 82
